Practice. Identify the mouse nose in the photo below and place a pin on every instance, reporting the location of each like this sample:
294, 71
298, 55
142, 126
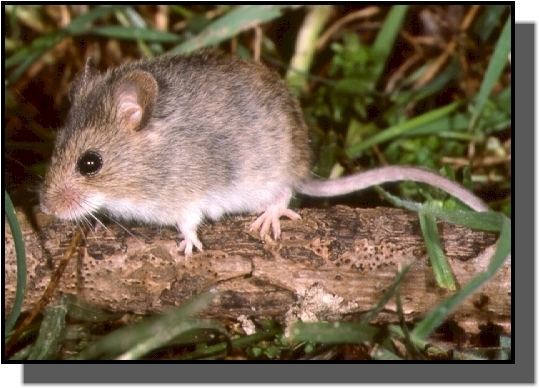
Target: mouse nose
49, 199
64, 200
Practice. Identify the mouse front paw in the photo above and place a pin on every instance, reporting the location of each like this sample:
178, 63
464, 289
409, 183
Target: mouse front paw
187, 245
187, 226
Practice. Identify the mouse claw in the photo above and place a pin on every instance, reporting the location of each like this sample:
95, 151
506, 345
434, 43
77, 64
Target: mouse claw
187, 246
271, 218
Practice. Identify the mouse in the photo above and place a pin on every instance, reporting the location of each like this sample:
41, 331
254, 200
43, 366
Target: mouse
178, 139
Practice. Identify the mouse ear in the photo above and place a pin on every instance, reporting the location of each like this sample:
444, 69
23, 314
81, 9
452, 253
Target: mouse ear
135, 95
83, 79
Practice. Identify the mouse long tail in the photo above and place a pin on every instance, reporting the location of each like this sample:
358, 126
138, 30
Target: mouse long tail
377, 176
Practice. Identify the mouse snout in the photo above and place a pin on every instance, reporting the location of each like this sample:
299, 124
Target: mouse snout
63, 201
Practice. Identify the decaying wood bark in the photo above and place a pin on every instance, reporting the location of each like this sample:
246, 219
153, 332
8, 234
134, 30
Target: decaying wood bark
333, 263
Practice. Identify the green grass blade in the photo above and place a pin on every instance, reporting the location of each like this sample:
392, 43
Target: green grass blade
25, 57
387, 295
22, 354
456, 126
495, 67
86, 312
442, 270
133, 18
440, 312
399, 202
238, 343
184, 11
83, 23
505, 348
451, 124
489, 20
333, 332
21, 264
137, 339
451, 72
25, 64
78, 26
237, 20
50, 333
135, 33
300, 63
385, 40
487, 221
354, 150
39, 45
164, 334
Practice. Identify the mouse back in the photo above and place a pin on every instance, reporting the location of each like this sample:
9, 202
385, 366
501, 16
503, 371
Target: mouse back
152, 137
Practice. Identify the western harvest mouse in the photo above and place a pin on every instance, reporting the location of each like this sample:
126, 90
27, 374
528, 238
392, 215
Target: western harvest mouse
176, 139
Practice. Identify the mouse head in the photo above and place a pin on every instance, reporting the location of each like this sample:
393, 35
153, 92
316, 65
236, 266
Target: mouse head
99, 155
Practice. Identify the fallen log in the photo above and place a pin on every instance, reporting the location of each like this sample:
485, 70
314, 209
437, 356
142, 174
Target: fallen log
332, 264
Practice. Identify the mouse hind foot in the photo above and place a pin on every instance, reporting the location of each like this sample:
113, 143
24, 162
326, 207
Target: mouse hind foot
271, 215
271, 218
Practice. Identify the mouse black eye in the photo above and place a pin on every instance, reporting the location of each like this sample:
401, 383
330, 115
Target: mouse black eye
89, 163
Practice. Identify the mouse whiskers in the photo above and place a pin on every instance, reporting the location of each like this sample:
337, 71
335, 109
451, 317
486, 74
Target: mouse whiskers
125, 229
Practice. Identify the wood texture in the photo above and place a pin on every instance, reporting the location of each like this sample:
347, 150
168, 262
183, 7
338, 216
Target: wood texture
333, 263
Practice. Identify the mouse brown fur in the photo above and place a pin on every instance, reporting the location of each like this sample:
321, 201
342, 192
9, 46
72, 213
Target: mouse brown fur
177, 139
